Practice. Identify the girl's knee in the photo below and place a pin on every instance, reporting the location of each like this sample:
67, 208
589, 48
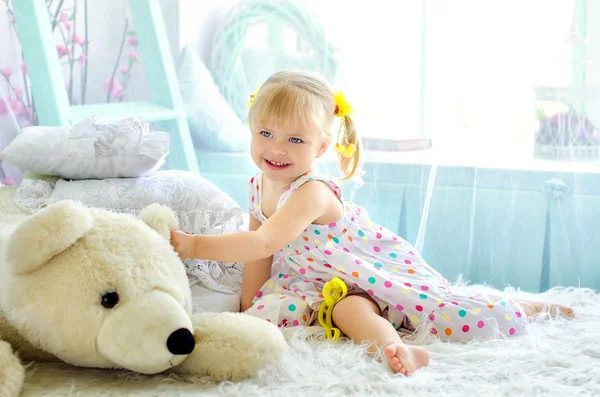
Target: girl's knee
352, 304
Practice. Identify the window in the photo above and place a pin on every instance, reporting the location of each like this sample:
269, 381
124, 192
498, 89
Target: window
481, 63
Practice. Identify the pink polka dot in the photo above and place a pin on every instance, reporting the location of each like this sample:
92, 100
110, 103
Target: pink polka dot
327, 252
424, 288
378, 235
327, 265
376, 249
431, 317
454, 303
518, 314
465, 328
407, 262
295, 323
442, 305
285, 276
260, 307
358, 262
303, 297
311, 268
370, 292
434, 331
346, 250
480, 324
252, 180
302, 271
387, 284
408, 285
411, 253
252, 198
512, 331
332, 225
306, 247
269, 320
399, 307
259, 294
419, 308
394, 238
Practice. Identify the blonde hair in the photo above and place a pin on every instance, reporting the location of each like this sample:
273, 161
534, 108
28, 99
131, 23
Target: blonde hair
288, 97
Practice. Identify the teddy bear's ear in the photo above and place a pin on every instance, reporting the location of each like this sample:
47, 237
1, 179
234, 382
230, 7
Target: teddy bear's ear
160, 218
45, 234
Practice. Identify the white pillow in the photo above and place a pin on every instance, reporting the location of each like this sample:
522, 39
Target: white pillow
214, 126
200, 207
90, 149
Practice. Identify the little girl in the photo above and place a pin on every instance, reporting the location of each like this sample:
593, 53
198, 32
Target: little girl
336, 265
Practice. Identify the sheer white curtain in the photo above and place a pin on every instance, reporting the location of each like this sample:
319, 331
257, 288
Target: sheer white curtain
380, 61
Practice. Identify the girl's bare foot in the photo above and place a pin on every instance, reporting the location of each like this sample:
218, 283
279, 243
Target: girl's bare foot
406, 359
531, 308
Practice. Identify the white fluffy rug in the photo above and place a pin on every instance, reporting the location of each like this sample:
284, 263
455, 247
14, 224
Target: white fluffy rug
555, 358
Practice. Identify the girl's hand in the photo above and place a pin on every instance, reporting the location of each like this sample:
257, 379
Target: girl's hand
183, 243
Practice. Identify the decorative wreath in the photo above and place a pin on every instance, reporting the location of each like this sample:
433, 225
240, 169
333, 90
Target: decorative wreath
229, 40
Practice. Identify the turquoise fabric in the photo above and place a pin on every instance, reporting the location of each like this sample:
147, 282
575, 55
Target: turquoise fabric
502, 227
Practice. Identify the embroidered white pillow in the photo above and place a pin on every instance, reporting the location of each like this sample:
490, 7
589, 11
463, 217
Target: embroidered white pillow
90, 149
199, 206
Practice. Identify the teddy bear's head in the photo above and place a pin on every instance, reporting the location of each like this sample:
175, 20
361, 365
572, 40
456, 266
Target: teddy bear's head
99, 289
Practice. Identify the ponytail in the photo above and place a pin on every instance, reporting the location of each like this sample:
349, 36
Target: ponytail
349, 163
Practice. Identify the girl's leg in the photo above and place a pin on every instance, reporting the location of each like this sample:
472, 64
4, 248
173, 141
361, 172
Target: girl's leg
359, 317
532, 308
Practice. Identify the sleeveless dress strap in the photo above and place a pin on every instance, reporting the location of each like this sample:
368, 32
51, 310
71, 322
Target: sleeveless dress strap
307, 177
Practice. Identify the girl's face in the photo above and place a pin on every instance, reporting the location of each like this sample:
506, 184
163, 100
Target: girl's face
285, 153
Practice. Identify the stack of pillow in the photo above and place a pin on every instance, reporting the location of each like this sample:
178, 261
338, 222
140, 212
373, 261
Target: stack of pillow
116, 166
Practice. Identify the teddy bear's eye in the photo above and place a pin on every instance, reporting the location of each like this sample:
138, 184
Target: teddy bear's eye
110, 300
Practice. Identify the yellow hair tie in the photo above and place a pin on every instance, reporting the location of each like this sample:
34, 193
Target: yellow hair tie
342, 110
333, 292
346, 149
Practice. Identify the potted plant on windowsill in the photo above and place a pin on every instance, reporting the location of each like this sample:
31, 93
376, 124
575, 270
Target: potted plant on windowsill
566, 135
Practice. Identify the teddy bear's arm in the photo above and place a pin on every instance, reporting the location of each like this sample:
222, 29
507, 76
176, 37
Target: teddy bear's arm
232, 346
12, 372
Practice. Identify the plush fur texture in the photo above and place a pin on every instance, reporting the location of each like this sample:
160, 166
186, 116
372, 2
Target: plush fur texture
93, 288
556, 357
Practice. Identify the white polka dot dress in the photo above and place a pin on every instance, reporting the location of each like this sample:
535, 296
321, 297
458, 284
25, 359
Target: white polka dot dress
373, 260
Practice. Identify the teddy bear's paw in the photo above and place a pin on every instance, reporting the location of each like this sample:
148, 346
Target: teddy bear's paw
159, 217
233, 346
12, 372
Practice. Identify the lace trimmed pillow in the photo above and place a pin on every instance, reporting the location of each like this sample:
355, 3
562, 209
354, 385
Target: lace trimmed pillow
90, 149
200, 207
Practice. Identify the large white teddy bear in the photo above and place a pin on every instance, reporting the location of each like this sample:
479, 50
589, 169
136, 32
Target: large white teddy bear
95, 288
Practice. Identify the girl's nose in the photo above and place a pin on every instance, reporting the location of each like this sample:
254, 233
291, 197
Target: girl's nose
278, 151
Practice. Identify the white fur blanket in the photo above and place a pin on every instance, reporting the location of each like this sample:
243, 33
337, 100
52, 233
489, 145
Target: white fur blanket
555, 358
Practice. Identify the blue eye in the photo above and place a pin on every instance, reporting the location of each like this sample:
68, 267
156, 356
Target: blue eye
295, 140
266, 134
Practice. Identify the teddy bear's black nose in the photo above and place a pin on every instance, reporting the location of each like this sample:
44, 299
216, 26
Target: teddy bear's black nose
181, 342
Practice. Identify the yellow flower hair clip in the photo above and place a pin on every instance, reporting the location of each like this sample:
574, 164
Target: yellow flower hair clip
252, 97
343, 109
342, 106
